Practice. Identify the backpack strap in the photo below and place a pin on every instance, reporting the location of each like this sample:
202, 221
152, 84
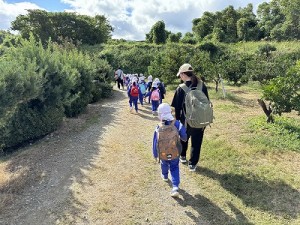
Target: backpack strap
173, 123
163, 123
184, 87
200, 85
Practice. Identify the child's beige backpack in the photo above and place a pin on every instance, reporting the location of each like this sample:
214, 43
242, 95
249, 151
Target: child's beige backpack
168, 144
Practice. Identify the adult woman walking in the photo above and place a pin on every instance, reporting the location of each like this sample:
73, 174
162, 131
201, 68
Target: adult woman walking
186, 74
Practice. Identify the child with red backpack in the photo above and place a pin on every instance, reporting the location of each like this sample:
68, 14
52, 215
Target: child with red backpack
167, 146
133, 94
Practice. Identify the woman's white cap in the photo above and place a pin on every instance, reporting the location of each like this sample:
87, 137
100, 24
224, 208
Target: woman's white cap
185, 68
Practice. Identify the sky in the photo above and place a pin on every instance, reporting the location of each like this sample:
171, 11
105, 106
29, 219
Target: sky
131, 19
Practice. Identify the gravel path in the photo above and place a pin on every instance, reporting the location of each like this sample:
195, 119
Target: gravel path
97, 169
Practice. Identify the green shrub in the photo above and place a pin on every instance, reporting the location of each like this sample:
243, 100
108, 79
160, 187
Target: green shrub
283, 91
39, 84
34, 84
101, 90
81, 92
106, 90
96, 92
28, 122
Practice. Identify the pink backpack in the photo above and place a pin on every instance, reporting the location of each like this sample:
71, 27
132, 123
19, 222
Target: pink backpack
155, 95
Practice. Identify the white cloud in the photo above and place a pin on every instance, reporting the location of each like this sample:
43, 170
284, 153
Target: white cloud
132, 19
9, 12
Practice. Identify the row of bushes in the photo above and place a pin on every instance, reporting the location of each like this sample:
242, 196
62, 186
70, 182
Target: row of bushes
271, 64
40, 85
260, 62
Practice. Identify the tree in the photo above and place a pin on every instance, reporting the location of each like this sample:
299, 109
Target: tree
168, 59
174, 37
63, 25
229, 20
203, 26
280, 19
284, 92
157, 34
269, 15
4, 35
189, 38
247, 26
220, 25
291, 25
207, 68
266, 49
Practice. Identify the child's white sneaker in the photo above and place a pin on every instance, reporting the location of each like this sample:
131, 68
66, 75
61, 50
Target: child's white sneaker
164, 178
174, 192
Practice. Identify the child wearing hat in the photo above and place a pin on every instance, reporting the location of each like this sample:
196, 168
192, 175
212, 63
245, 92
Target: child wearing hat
169, 162
154, 96
133, 94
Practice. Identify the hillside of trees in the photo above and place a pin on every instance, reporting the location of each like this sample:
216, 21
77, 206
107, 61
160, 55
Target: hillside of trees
61, 62
275, 21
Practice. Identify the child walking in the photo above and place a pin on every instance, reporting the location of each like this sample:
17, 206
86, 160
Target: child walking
155, 97
167, 146
143, 89
133, 94
149, 86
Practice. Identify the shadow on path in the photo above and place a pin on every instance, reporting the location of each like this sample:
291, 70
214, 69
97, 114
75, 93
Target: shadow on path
43, 173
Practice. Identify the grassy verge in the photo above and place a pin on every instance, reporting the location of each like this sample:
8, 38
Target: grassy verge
249, 170
283, 135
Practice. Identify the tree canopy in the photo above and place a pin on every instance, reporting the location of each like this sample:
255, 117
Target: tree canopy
157, 34
63, 25
278, 20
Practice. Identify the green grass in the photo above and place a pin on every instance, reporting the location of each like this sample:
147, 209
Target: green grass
251, 47
229, 108
282, 135
249, 169
251, 185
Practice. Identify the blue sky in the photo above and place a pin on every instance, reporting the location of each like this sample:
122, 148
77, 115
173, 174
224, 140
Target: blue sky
50, 5
131, 19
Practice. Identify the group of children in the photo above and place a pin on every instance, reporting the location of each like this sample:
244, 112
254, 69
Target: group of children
166, 146
139, 90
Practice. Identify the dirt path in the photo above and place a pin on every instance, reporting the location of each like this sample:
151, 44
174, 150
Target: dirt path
98, 169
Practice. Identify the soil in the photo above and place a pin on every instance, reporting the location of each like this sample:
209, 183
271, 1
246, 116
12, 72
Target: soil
96, 169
